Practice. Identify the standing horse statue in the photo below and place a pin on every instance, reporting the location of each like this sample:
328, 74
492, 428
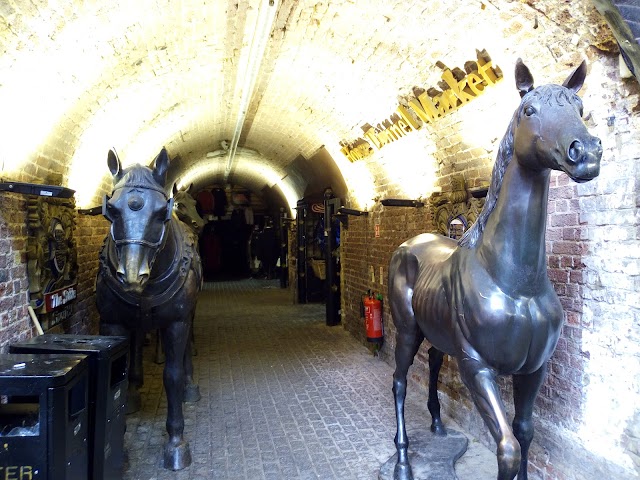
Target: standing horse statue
185, 207
487, 300
149, 278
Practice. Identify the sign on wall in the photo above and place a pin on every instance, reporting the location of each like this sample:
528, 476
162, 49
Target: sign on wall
52, 259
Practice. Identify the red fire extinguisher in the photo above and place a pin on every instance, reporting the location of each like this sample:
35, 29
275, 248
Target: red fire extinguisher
373, 317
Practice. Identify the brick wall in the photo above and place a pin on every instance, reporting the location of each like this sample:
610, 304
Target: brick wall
15, 324
90, 231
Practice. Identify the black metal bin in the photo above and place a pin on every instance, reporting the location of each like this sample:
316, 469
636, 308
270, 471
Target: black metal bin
43, 416
108, 363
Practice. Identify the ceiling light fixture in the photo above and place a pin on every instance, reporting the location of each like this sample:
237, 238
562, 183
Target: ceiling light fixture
262, 31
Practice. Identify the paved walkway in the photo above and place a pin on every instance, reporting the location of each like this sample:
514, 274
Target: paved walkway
283, 397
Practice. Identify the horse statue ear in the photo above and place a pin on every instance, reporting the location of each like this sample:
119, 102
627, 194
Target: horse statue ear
174, 189
160, 166
115, 167
524, 79
576, 79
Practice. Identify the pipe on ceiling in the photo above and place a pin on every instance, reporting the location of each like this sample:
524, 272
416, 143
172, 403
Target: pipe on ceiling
262, 31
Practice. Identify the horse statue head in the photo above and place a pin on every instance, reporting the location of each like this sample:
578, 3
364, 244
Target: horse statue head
138, 209
546, 133
185, 207
549, 131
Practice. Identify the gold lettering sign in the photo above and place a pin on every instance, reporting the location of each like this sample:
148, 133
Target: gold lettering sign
426, 108
16, 472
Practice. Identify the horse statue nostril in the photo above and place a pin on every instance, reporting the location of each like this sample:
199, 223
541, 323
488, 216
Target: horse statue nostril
598, 143
576, 150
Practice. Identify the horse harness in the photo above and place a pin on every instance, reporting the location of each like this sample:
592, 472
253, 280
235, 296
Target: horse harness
162, 289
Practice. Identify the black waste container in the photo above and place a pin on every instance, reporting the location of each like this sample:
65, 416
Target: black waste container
44, 416
108, 363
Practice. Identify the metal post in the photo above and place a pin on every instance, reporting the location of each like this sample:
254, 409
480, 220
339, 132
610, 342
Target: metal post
284, 243
331, 287
301, 264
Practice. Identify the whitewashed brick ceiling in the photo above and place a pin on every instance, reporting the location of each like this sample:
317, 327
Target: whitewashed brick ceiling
79, 77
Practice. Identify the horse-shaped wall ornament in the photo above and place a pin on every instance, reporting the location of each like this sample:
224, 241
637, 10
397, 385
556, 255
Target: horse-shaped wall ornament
149, 278
487, 299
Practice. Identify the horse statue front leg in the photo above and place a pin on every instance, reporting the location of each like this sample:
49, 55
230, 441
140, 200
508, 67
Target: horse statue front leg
525, 391
407, 345
177, 454
192, 391
134, 370
480, 379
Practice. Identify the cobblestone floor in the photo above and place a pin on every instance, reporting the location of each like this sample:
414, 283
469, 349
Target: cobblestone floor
283, 397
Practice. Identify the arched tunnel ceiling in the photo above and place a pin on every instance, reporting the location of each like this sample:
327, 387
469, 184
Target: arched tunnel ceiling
77, 78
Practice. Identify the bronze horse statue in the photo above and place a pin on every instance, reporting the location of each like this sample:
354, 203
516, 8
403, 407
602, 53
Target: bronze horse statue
185, 207
149, 278
487, 299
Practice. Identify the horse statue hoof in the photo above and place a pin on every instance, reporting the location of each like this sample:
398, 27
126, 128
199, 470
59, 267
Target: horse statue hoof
402, 472
177, 457
134, 401
191, 393
438, 429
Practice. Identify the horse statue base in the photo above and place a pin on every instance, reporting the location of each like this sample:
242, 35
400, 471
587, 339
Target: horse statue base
432, 456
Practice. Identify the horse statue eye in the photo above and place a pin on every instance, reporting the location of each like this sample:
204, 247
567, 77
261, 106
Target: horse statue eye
112, 212
136, 202
529, 110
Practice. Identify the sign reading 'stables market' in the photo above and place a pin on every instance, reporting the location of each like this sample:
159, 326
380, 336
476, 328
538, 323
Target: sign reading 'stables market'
457, 89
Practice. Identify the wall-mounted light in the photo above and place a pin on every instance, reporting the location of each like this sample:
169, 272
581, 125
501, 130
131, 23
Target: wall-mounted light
37, 189
90, 211
401, 202
351, 211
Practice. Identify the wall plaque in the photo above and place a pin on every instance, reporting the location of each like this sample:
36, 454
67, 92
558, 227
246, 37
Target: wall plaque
52, 259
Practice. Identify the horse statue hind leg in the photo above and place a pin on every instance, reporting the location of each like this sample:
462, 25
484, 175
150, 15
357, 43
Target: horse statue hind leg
148, 279
487, 299
403, 271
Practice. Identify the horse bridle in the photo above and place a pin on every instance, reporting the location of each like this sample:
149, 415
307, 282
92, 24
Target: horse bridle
135, 241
